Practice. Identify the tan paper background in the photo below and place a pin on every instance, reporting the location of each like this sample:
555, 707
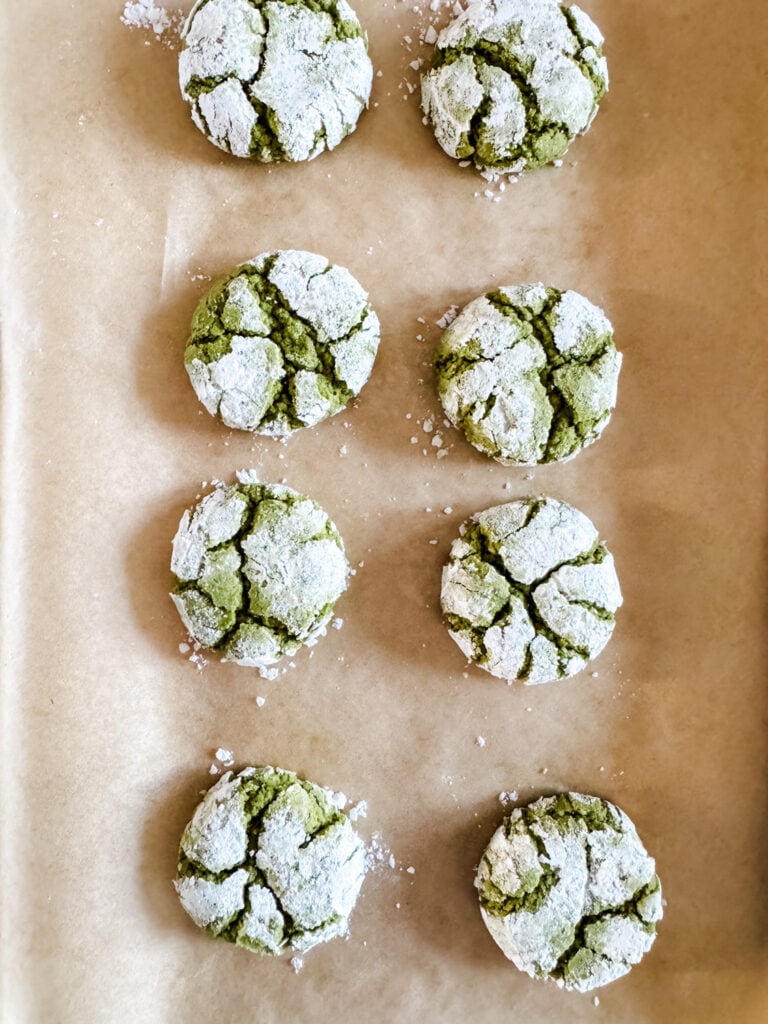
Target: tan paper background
114, 204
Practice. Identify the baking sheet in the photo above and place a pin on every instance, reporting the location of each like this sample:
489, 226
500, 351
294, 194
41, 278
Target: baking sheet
116, 211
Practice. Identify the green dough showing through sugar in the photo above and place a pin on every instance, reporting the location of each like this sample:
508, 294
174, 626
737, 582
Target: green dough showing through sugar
275, 79
282, 342
529, 373
269, 863
512, 83
568, 891
530, 592
258, 570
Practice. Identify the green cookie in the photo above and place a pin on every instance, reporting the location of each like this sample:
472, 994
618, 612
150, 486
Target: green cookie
282, 342
275, 79
530, 592
258, 570
513, 82
529, 373
568, 891
269, 863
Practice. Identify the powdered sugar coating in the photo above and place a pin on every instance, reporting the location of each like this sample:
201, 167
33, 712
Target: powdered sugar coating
513, 82
269, 863
275, 79
282, 342
568, 891
530, 592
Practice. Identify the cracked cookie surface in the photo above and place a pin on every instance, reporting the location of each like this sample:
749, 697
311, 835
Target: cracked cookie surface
529, 373
513, 82
269, 863
282, 342
568, 891
275, 79
258, 570
530, 592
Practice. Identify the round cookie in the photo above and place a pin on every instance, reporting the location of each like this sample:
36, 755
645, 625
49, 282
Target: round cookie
529, 373
269, 863
529, 591
568, 891
512, 83
282, 342
258, 570
275, 79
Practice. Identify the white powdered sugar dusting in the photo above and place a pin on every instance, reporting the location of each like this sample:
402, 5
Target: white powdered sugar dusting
165, 24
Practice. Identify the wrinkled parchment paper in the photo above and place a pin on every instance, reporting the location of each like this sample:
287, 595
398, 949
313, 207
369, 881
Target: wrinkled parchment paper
116, 213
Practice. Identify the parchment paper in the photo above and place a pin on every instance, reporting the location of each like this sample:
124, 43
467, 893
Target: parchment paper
116, 211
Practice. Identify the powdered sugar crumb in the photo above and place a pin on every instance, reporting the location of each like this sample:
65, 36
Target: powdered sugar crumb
506, 798
151, 17
448, 317
358, 810
198, 661
378, 853
145, 14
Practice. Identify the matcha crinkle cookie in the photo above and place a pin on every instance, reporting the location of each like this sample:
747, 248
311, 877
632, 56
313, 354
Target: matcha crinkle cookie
269, 863
529, 591
282, 342
275, 79
258, 570
513, 82
529, 373
568, 891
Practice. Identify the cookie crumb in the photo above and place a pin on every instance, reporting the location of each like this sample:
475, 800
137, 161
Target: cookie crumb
358, 810
145, 14
448, 317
